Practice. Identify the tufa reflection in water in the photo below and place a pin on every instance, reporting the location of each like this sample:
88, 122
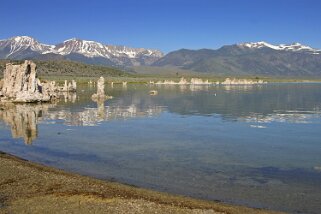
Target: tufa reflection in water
93, 116
256, 107
247, 145
69, 96
23, 119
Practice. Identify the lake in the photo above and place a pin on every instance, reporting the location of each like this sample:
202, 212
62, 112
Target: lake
254, 145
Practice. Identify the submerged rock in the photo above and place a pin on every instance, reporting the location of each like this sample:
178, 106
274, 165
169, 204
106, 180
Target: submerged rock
317, 168
20, 84
153, 92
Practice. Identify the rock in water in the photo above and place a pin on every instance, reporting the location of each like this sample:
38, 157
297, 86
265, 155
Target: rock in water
72, 87
101, 86
20, 84
65, 88
100, 95
69, 86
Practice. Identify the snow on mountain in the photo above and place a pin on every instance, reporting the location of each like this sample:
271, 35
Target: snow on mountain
22, 43
83, 47
120, 55
295, 47
96, 49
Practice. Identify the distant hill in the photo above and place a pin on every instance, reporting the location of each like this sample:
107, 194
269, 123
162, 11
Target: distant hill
69, 68
248, 59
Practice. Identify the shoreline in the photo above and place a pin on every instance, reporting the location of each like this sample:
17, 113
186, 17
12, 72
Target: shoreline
145, 79
30, 187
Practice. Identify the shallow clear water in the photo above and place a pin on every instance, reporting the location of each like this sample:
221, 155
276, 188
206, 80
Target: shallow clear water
252, 145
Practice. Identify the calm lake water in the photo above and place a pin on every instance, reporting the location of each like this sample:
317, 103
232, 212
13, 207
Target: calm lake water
258, 146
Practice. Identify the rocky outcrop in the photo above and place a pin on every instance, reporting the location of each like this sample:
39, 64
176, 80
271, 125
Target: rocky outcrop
199, 81
72, 86
50, 88
69, 86
183, 81
100, 95
20, 84
1, 85
229, 81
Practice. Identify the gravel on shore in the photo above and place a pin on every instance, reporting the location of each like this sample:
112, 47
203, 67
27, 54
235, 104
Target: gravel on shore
27, 187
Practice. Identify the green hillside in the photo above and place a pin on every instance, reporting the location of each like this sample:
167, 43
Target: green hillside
70, 68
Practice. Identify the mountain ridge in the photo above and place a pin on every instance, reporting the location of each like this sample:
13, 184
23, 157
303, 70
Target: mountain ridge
22, 47
294, 47
258, 58
249, 58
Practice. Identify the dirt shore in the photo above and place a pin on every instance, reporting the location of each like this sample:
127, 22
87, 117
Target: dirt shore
27, 187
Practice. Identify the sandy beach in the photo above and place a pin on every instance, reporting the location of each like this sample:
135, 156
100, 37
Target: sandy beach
27, 187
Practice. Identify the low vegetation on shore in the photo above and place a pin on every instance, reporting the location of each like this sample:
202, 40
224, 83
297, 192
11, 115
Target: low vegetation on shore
60, 70
66, 68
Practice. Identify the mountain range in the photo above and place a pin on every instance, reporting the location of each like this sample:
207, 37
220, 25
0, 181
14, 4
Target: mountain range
252, 58
90, 52
257, 58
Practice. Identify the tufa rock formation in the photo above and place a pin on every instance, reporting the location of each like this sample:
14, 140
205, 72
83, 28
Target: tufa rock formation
101, 86
20, 84
100, 98
100, 95
69, 87
183, 81
234, 81
198, 81
1, 85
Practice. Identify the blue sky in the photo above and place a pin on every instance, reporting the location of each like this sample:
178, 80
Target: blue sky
164, 24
